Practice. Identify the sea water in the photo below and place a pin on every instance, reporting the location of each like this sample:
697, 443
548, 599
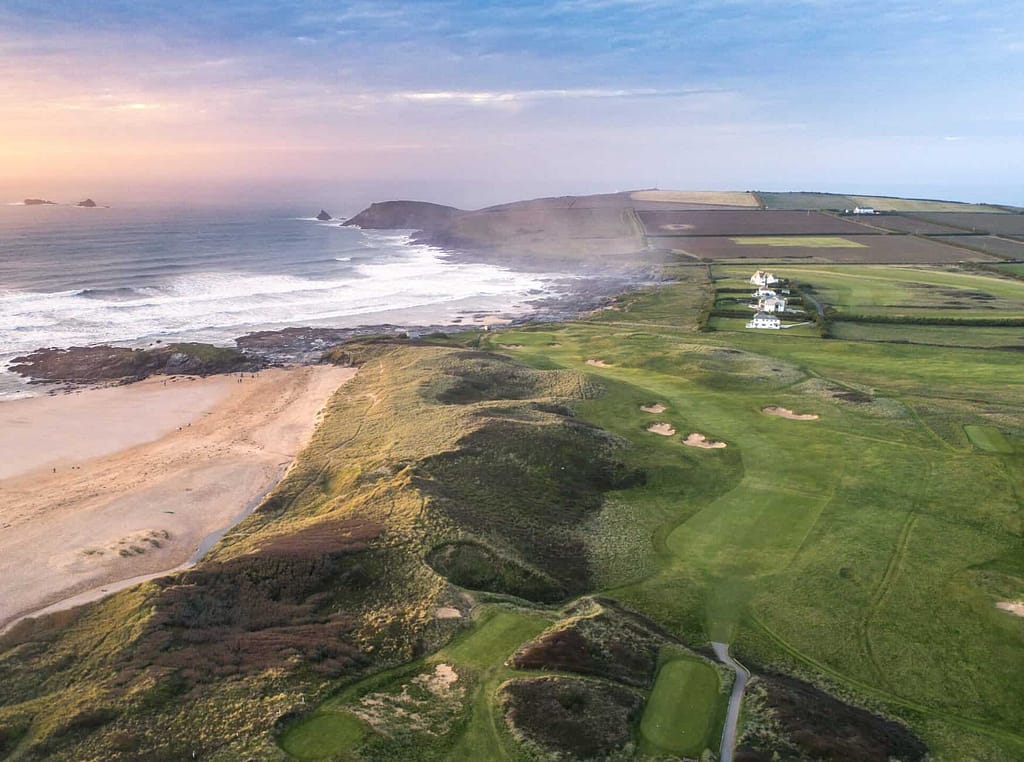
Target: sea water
72, 277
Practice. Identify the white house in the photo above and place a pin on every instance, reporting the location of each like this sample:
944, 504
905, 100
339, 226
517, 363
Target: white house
763, 278
864, 210
764, 320
763, 291
771, 304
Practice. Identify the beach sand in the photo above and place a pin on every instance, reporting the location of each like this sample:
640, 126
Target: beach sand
143, 474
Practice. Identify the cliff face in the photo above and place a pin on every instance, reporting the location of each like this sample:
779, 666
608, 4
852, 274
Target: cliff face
404, 215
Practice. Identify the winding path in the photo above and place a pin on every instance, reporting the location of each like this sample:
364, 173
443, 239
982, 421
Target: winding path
732, 717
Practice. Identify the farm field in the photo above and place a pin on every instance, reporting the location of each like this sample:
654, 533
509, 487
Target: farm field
893, 204
1017, 268
907, 291
868, 249
746, 223
836, 201
995, 223
978, 336
716, 198
999, 247
796, 201
900, 224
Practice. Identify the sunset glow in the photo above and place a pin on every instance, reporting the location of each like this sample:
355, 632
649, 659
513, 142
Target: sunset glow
482, 102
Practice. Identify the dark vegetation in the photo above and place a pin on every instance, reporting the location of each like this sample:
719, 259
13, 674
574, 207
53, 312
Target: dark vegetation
84, 365
580, 718
600, 638
805, 723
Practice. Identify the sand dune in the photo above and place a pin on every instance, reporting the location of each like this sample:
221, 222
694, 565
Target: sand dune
120, 506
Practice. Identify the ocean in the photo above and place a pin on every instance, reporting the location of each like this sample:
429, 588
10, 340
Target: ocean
73, 277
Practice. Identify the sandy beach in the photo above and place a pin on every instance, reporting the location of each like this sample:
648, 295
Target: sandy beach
106, 485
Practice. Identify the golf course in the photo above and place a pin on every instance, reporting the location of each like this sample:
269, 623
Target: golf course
521, 543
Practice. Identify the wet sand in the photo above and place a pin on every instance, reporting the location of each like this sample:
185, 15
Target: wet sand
143, 475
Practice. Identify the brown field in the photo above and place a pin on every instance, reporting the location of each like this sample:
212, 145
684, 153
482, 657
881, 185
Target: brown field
744, 222
720, 198
1000, 247
981, 222
874, 249
902, 224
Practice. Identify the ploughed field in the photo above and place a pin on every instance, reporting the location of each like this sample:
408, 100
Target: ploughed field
504, 545
868, 249
742, 223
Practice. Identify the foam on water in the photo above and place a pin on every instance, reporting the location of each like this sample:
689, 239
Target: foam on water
217, 305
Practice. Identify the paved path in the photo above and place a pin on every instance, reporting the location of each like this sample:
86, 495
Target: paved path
732, 717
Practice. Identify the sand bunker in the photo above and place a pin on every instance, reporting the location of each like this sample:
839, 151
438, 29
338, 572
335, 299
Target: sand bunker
1014, 607
785, 412
665, 429
699, 440
655, 408
598, 363
448, 612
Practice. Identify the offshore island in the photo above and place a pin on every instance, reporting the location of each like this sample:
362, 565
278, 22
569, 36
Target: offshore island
753, 494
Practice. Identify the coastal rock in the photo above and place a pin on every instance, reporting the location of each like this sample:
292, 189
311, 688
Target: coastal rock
324, 216
404, 215
103, 364
88, 203
38, 202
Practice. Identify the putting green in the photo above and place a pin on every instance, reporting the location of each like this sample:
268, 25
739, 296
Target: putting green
682, 707
323, 736
989, 439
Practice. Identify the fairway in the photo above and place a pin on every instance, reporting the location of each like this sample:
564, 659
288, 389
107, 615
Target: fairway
989, 439
799, 242
680, 714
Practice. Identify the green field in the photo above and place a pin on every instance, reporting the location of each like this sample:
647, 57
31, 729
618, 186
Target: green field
978, 336
928, 292
680, 714
799, 242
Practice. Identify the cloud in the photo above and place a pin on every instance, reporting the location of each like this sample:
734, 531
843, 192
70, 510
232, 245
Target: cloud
499, 98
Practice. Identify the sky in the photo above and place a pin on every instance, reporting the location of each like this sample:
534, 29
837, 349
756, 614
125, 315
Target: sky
473, 103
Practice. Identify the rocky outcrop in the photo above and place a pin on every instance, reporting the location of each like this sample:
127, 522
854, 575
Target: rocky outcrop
404, 215
88, 203
38, 202
324, 216
103, 364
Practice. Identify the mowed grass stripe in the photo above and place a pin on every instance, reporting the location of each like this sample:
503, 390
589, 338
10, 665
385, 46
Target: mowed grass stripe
679, 714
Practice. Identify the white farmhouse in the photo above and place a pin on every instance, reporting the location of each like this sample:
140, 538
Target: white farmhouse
771, 304
764, 320
763, 291
864, 210
763, 278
